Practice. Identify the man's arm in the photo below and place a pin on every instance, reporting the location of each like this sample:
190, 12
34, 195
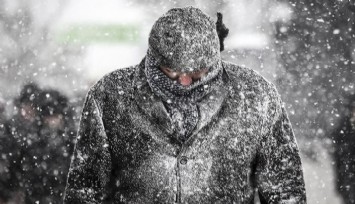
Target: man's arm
91, 165
279, 173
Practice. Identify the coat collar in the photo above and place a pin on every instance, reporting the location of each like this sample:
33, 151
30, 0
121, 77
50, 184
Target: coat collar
153, 112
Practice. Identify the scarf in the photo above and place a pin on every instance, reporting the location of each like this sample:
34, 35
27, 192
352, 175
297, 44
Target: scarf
185, 40
180, 101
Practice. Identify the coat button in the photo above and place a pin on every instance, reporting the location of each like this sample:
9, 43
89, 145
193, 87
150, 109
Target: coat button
183, 160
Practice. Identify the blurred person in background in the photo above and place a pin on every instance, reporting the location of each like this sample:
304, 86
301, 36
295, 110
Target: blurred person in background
3, 161
26, 118
344, 153
19, 131
2, 115
184, 126
45, 160
38, 147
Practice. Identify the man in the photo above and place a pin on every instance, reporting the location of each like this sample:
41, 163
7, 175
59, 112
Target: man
36, 154
344, 154
184, 126
2, 116
19, 132
3, 163
45, 159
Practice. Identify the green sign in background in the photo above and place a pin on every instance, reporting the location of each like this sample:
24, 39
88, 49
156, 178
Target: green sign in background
99, 33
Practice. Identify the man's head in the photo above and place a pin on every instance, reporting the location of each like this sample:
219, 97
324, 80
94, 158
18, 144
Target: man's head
185, 45
27, 102
54, 107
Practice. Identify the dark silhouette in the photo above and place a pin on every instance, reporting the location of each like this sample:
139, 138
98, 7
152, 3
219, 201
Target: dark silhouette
18, 134
3, 161
222, 30
344, 154
38, 146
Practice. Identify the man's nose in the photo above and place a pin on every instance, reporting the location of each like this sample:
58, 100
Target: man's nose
185, 79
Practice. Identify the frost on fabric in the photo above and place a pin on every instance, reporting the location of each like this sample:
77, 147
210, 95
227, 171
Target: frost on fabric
246, 143
186, 40
136, 143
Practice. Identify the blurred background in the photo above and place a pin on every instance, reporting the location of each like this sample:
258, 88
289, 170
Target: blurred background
57, 49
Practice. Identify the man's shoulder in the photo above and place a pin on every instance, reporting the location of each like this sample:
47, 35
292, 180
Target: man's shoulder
117, 82
244, 75
244, 80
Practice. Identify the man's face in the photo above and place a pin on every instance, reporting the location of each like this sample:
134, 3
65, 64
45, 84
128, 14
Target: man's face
54, 121
28, 112
184, 78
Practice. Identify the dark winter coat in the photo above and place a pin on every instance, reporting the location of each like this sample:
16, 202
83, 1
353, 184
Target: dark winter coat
126, 151
37, 157
344, 156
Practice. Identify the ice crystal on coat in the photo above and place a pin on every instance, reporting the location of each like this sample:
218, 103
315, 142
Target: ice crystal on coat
246, 143
242, 138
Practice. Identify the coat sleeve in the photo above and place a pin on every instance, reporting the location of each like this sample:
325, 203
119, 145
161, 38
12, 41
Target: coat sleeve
90, 167
279, 175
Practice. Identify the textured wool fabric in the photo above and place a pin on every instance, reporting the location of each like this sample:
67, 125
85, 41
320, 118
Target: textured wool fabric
186, 40
126, 152
180, 101
193, 36
169, 89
